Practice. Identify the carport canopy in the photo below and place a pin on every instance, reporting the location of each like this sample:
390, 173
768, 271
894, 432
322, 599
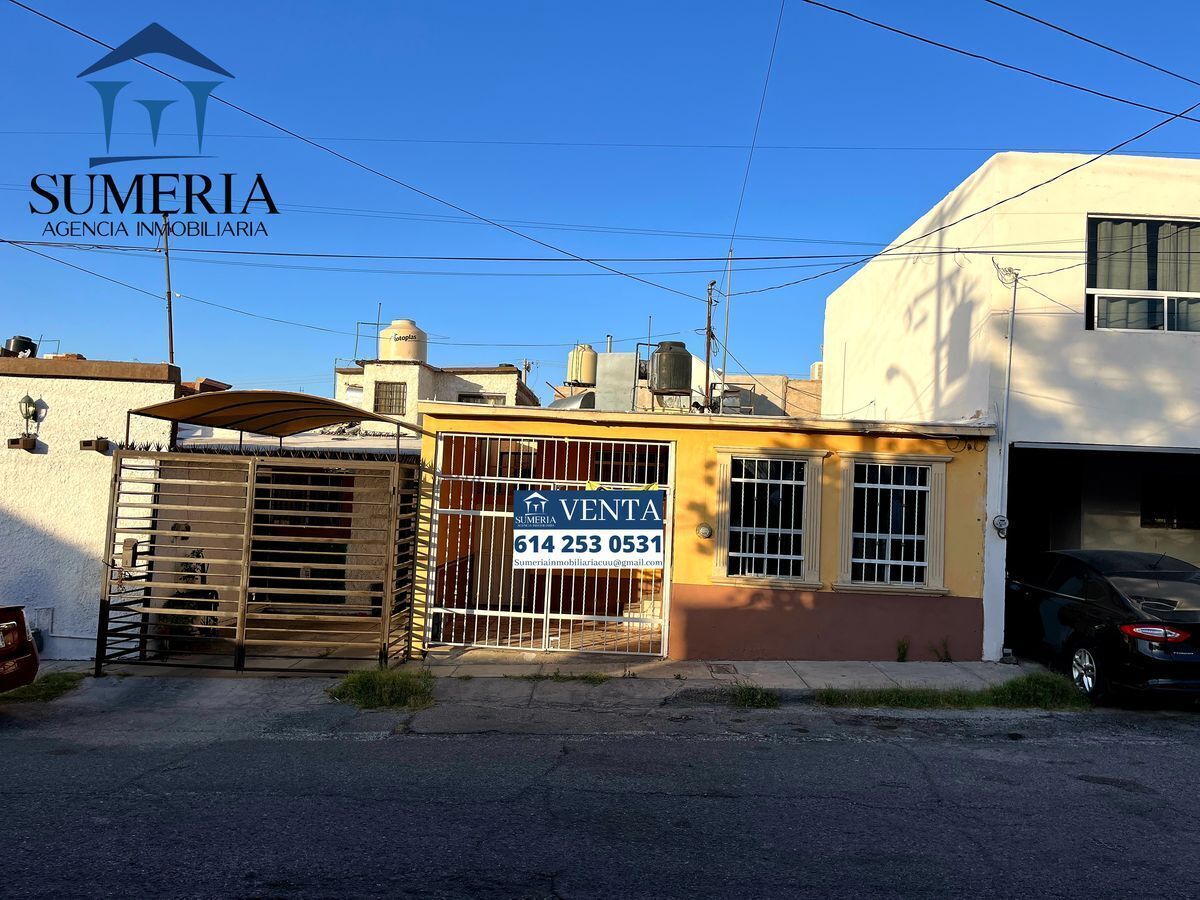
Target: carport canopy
276, 413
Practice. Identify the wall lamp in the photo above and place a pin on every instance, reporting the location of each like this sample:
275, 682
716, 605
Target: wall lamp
27, 441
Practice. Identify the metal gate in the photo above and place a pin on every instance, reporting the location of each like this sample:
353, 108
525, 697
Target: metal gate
258, 562
474, 595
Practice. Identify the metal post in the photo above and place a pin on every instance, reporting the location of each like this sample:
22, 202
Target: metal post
239, 638
725, 340
1001, 521
708, 348
106, 572
170, 315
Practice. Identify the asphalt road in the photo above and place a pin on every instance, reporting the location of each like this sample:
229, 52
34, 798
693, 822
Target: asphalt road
263, 788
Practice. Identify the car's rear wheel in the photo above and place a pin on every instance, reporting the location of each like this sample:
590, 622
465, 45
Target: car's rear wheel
1087, 673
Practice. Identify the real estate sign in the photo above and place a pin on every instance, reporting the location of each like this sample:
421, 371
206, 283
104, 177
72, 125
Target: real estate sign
588, 529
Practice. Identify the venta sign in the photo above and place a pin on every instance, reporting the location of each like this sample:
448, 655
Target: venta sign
87, 204
588, 530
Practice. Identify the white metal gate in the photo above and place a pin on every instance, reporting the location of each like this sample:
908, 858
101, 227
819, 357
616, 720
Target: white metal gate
475, 596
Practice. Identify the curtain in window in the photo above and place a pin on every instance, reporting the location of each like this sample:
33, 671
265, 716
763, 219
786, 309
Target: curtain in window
1185, 314
1142, 313
1120, 255
1178, 257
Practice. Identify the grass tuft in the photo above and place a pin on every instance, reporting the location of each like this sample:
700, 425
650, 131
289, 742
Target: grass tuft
1037, 690
585, 677
50, 686
386, 689
748, 695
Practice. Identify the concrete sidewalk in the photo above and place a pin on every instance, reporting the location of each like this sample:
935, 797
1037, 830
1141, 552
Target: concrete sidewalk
790, 676
784, 675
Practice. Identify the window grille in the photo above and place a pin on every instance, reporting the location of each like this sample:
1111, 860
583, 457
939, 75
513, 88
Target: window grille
766, 517
391, 397
889, 534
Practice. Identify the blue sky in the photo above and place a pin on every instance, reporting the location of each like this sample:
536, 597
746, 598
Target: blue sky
472, 102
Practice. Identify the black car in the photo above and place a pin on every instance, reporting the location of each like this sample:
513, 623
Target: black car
1118, 620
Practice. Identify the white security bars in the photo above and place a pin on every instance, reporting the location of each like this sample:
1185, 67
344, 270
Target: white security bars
766, 517
475, 597
891, 507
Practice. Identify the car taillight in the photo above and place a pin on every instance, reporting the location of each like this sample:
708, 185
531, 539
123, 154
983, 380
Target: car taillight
10, 635
1163, 634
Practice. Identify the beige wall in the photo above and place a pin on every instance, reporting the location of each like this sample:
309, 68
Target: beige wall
54, 502
424, 383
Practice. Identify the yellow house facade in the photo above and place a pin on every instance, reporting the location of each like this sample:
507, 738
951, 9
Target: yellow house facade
785, 538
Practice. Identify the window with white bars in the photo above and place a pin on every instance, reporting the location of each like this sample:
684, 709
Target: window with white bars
889, 530
391, 397
766, 521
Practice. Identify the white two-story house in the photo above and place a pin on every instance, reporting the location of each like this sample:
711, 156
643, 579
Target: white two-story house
1098, 377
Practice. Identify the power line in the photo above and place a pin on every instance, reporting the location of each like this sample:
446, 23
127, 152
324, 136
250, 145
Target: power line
808, 148
989, 59
988, 208
982, 249
727, 278
245, 312
363, 166
1087, 40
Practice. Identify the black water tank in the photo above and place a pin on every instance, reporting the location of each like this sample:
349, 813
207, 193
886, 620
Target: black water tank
671, 369
19, 345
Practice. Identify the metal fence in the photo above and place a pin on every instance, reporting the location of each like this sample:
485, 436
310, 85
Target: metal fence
249, 562
474, 595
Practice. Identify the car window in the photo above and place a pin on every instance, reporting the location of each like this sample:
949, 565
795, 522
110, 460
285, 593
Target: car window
1096, 589
1066, 578
1038, 573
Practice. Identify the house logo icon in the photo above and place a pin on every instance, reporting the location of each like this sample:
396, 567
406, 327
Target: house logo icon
535, 503
153, 39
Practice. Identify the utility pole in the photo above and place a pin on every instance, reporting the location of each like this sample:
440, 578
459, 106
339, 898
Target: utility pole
1000, 522
708, 336
170, 316
725, 340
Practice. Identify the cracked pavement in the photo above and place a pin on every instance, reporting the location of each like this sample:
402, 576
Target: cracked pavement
263, 787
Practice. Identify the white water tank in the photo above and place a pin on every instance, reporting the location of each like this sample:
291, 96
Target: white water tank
403, 340
581, 366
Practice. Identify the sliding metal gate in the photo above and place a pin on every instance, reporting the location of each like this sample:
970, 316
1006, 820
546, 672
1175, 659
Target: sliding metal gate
258, 562
474, 595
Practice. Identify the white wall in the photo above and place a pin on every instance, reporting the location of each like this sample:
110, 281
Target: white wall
925, 339
54, 503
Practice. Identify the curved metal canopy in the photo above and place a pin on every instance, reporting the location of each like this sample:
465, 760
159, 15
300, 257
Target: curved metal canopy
275, 413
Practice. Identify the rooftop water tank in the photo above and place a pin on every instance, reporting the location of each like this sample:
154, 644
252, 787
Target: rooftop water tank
581, 366
19, 345
671, 369
816, 371
403, 340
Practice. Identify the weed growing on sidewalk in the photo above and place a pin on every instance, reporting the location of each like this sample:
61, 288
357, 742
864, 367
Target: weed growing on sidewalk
749, 695
50, 686
386, 689
1037, 690
585, 677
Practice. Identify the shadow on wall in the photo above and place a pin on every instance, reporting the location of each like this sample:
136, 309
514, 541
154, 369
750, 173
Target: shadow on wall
933, 303
715, 621
722, 622
45, 573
